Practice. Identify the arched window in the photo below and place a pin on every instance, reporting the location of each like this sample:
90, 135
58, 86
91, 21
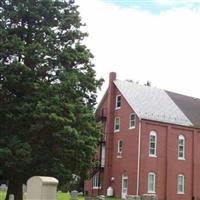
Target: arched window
151, 182
132, 120
181, 147
152, 143
180, 184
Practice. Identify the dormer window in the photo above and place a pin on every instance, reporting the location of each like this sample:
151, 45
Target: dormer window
118, 102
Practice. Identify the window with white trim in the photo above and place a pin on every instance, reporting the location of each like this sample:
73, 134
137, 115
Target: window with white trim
181, 147
117, 124
180, 184
119, 148
118, 102
132, 120
152, 143
151, 182
96, 182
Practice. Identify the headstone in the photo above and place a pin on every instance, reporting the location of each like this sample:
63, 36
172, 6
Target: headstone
101, 197
3, 187
11, 197
42, 188
74, 195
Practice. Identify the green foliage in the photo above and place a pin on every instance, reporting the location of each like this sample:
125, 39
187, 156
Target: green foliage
47, 91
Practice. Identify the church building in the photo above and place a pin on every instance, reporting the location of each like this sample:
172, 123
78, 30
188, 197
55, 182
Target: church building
150, 144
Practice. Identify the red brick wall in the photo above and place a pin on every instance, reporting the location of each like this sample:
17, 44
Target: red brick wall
128, 162
166, 165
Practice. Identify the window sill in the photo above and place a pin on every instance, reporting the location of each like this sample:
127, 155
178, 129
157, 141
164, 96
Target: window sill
119, 156
96, 188
116, 131
151, 192
153, 156
117, 108
132, 127
181, 158
180, 193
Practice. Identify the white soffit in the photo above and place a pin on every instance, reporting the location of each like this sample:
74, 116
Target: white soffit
152, 103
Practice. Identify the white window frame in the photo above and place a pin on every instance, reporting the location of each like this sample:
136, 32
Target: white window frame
153, 134
95, 182
119, 148
115, 124
116, 102
130, 121
180, 183
151, 186
181, 138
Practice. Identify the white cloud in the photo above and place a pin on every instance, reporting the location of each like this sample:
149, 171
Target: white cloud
138, 45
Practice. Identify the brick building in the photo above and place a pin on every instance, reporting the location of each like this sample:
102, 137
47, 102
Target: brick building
151, 143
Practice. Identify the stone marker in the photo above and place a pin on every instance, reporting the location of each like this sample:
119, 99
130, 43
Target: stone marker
101, 197
42, 188
11, 197
3, 187
74, 195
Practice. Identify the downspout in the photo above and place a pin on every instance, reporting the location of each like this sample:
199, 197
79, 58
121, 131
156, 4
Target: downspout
138, 160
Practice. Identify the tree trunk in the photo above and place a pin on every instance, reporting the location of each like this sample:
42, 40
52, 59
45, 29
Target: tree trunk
15, 187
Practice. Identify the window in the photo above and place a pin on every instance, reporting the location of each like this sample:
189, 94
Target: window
118, 102
132, 120
180, 184
152, 143
151, 182
119, 148
96, 182
181, 147
117, 124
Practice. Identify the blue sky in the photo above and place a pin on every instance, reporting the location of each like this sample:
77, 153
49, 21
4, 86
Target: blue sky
155, 6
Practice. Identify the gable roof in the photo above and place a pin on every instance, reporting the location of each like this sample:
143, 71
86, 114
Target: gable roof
153, 103
190, 106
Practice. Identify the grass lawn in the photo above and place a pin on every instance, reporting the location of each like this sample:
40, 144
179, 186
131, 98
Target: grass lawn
60, 196
66, 196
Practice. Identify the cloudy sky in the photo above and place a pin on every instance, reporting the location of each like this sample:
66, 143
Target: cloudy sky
155, 40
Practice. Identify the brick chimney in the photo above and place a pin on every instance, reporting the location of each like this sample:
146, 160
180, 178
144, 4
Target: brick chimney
109, 130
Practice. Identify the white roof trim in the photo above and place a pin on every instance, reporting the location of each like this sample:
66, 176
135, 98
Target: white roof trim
152, 103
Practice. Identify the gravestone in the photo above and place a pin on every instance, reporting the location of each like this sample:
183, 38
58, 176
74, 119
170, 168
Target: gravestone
42, 188
74, 195
101, 197
3, 187
11, 197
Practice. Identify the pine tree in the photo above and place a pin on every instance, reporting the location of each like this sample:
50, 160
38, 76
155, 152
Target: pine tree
47, 92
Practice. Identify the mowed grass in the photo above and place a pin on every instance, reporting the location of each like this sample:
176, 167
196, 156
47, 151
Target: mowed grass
66, 196
60, 196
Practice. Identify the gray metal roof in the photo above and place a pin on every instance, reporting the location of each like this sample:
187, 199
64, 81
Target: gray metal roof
152, 103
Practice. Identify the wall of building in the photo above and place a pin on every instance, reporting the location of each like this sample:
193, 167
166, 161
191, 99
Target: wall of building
165, 165
127, 164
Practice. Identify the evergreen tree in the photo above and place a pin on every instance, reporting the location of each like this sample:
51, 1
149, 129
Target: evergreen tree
47, 92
